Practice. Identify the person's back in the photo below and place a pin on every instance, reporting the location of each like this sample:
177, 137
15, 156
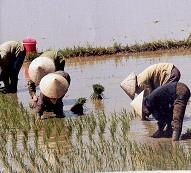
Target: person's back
10, 48
162, 98
57, 57
12, 55
154, 76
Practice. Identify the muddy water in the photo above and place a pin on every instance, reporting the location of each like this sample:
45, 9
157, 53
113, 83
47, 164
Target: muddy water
110, 71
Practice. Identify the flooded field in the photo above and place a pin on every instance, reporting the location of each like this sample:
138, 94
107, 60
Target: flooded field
109, 72
104, 134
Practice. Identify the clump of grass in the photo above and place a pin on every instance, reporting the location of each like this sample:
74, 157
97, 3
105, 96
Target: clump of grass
98, 91
31, 56
78, 51
78, 106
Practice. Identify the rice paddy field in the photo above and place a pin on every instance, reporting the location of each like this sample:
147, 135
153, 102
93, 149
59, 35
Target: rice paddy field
108, 137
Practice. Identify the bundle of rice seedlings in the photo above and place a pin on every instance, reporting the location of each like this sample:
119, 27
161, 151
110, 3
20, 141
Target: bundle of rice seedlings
98, 91
78, 106
186, 135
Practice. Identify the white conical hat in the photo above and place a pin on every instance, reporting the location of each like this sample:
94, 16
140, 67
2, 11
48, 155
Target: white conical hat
54, 85
129, 85
137, 104
40, 67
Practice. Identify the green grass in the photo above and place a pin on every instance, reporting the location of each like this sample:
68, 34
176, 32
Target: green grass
91, 143
78, 51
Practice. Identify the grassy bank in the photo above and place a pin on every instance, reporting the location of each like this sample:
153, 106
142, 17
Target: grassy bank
118, 48
91, 143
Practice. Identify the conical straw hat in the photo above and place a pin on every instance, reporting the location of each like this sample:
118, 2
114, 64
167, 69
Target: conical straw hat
137, 104
40, 67
54, 85
129, 85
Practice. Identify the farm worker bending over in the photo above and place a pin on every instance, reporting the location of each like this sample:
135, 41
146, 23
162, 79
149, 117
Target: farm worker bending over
48, 62
152, 77
53, 88
12, 55
167, 104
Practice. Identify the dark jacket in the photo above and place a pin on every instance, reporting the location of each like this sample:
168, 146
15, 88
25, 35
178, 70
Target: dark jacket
168, 104
160, 101
44, 104
12, 55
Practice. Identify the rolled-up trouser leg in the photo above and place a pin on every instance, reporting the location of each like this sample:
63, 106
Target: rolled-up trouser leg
182, 97
175, 75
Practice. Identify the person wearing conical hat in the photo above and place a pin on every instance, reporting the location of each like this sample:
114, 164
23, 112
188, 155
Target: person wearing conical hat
167, 104
152, 77
47, 62
12, 55
53, 88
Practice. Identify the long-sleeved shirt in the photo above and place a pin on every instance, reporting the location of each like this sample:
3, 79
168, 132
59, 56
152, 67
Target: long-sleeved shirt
10, 50
58, 58
153, 77
160, 101
44, 104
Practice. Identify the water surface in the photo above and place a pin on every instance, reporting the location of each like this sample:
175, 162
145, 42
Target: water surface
68, 23
109, 72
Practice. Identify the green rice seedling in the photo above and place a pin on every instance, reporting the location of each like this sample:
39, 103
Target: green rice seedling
42, 157
98, 90
25, 140
113, 127
5, 162
36, 137
13, 140
32, 157
31, 56
79, 133
101, 124
78, 106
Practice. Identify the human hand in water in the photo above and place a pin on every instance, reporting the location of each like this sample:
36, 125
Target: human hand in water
34, 101
35, 98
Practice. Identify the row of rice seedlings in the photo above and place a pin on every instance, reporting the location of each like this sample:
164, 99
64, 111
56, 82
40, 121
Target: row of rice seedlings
102, 153
139, 152
78, 51
162, 157
117, 48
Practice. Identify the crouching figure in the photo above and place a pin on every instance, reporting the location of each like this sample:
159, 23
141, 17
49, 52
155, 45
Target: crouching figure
167, 104
151, 78
12, 55
48, 62
53, 88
